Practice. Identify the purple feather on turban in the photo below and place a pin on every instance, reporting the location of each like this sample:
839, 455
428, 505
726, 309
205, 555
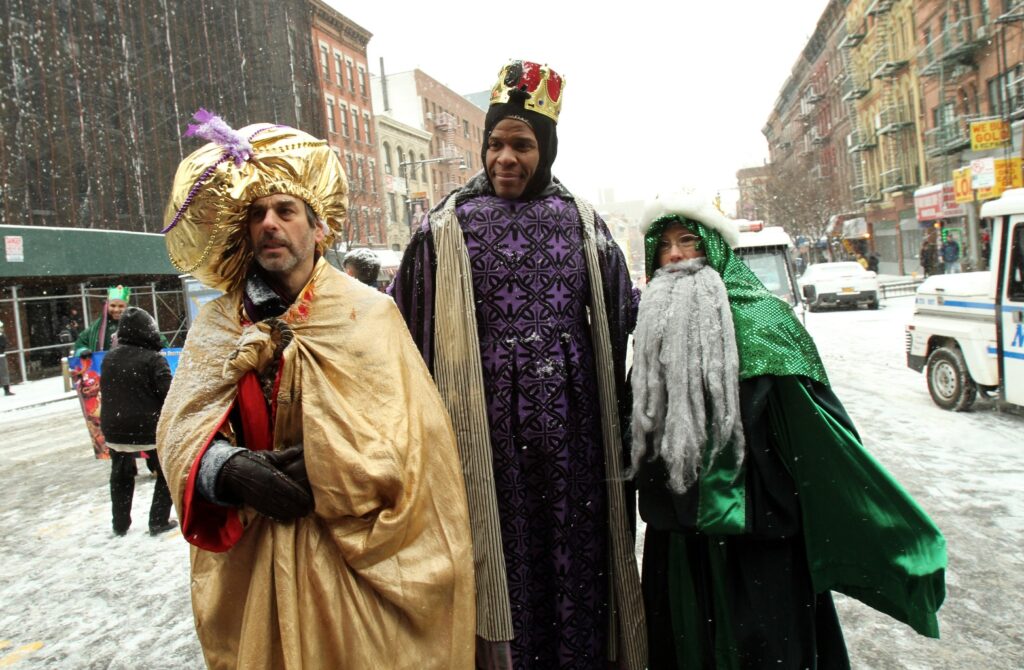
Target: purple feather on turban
212, 128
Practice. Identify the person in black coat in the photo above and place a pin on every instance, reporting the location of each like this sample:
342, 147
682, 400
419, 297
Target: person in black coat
133, 386
5, 375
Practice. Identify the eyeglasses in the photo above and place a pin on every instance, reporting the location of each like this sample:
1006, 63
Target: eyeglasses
686, 242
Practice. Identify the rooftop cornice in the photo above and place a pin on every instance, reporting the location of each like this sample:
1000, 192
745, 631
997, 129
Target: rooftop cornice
348, 29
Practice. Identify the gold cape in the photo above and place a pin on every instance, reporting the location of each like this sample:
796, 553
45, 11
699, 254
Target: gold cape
381, 574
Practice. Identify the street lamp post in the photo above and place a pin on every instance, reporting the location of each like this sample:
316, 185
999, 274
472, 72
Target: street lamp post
408, 192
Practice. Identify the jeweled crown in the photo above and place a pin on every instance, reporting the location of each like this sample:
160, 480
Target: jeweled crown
542, 86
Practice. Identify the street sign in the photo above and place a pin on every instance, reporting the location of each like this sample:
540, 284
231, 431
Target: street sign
14, 245
962, 191
983, 173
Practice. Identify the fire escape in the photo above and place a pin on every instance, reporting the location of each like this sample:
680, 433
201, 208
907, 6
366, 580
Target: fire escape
444, 130
893, 123
946, 60
861, 138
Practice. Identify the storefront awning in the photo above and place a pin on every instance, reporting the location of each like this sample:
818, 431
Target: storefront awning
855, 229
44, 251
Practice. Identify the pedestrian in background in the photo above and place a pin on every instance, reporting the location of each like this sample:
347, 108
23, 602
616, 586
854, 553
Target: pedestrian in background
928, 256
133, 386
951, 255
5, 373
362, 264
99, 336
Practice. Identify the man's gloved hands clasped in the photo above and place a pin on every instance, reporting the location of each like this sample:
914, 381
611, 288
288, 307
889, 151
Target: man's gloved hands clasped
274, 483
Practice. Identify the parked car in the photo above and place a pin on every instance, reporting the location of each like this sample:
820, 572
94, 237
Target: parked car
845, 284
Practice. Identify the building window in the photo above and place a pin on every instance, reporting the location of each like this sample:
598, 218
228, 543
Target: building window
401, 159
469, 159
465, 128
330, 116
423, 168
349, 70
348, 168
366, 127
387, 159
355, 124
393, 205
354, 217
362, 81
373, 176
337, 68
325, 68
343, 115
360, 175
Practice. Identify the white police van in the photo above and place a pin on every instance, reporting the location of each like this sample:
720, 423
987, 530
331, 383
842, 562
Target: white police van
967, 331
767, 251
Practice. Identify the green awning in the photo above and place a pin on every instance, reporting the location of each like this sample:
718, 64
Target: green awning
43, 251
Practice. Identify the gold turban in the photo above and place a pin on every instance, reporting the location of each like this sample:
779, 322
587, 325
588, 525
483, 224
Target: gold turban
214, 186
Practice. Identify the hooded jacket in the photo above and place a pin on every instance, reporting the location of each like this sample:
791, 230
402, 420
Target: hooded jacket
134, 382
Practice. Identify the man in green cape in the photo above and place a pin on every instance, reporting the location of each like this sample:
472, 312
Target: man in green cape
758, 495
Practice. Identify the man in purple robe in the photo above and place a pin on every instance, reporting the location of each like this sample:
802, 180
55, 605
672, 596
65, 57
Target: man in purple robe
521, 304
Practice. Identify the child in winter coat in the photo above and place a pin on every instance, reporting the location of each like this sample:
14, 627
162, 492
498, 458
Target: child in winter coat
133, 386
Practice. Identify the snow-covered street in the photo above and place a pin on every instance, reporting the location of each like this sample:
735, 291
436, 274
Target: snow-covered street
76, 596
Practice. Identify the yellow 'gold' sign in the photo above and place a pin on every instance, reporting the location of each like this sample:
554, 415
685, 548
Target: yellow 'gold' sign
989, 134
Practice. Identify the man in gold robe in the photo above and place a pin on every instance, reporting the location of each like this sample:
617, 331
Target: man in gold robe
310, 458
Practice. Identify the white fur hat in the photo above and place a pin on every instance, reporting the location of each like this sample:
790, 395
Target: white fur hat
693, 206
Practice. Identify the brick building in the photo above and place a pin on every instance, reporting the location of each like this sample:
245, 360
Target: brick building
344, 85
455, 124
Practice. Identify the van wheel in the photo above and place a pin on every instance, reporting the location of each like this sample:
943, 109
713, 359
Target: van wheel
949, 383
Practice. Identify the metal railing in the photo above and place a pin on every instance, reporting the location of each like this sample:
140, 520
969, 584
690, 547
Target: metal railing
899, 288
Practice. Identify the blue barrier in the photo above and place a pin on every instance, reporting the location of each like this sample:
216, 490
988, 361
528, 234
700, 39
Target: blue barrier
171, 354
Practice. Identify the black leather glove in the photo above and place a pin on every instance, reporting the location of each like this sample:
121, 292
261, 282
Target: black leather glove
292, 462
249, 477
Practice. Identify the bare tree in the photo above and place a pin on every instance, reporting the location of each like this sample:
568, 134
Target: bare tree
799, 200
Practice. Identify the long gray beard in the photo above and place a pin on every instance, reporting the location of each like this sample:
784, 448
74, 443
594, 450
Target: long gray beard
685, 373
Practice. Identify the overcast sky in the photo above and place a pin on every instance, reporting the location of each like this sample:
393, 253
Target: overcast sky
658, 94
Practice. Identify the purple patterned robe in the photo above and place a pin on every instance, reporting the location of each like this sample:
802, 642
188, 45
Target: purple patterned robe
531, 290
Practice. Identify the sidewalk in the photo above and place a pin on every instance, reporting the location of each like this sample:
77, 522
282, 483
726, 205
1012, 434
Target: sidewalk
34, 394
